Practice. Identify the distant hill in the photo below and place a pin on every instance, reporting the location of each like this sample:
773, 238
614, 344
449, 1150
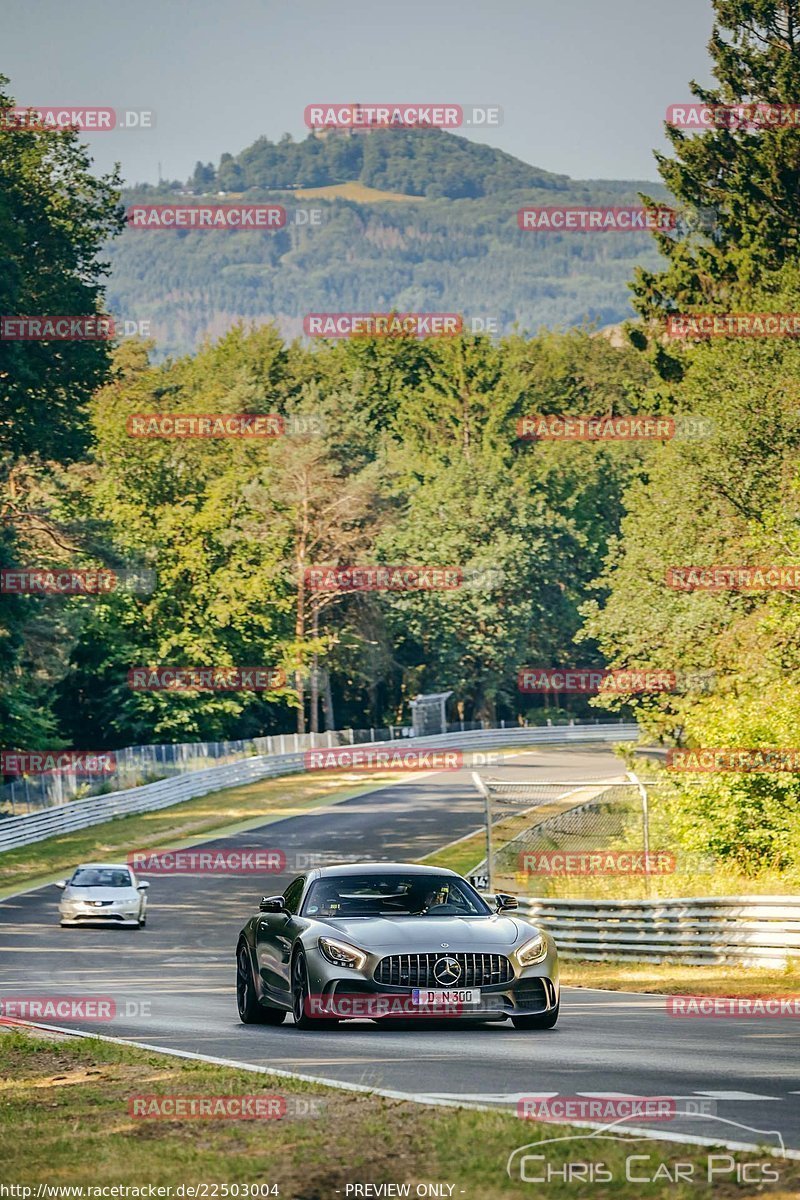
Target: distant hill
418, 162
412, 220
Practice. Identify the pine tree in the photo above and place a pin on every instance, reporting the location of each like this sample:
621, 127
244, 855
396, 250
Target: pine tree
747, 178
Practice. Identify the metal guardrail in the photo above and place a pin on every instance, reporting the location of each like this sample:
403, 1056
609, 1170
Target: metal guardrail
80, 814
748, 931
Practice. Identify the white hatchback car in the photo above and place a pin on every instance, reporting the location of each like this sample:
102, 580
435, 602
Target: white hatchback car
103, 892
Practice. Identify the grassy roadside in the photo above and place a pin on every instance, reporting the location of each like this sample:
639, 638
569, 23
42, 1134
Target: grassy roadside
65, 1120
676, 979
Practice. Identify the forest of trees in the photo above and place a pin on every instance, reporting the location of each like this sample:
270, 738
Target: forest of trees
400, 451
457, 248
416, 162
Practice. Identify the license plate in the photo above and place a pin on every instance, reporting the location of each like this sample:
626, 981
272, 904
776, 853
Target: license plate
445, 997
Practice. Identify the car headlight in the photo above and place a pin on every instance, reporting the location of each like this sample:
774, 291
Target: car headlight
342, 955
533, 951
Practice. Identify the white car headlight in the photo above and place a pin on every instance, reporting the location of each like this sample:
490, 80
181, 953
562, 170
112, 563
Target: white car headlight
341, 954
532, 951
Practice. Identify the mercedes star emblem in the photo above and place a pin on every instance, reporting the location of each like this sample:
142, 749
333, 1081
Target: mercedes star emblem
447, 970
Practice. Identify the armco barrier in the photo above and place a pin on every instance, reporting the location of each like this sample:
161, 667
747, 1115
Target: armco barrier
748, 931
80, 814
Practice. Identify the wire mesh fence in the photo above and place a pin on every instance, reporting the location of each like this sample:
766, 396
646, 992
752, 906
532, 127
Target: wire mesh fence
569, 838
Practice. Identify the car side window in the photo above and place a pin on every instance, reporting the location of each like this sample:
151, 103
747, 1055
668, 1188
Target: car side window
293, 893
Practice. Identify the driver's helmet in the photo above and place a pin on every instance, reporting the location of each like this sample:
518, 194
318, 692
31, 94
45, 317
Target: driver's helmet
437, 896
327, 900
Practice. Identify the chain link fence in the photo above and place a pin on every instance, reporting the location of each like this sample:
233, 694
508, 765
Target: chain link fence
568, 838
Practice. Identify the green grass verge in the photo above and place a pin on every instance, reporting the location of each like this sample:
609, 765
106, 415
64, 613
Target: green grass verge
460, 856
65, 1120
673, 978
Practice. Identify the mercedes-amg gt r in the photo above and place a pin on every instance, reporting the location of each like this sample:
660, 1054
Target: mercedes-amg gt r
392, 940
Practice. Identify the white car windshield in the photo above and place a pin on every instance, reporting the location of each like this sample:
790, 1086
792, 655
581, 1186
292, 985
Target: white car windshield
390, 895
105, 877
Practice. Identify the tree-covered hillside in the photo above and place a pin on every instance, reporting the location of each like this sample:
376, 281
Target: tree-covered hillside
419, 162
455, 248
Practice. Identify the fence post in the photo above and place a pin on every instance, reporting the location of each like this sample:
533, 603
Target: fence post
484, 791
645, 828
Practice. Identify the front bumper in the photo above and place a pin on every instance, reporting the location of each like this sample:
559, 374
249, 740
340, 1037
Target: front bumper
339, 991
83, 914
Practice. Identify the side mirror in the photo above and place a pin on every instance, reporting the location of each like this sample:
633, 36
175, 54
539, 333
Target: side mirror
142, 886
61, 883
273, 904
504, 901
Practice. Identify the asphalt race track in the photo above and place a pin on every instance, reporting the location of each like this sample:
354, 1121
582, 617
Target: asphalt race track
174, 980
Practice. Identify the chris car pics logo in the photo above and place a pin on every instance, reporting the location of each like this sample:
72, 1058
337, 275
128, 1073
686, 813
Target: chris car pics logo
615, 1154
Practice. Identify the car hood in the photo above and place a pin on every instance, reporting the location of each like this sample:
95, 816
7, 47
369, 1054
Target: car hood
100, 893
421, 934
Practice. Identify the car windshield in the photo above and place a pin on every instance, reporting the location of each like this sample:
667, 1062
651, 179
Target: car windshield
106, 877
393, 895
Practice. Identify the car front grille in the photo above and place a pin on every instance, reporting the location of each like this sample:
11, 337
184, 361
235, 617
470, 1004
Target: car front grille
416, 970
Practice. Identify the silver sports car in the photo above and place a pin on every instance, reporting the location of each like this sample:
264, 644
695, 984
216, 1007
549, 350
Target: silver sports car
103, 893
389, 940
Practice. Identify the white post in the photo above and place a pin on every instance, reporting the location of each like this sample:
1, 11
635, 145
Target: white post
645, 827
484, 791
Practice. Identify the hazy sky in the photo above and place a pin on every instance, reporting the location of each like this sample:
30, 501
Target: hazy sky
583, 84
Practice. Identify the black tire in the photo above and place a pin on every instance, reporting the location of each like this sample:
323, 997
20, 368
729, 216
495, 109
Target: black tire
143, 921
539, 1021
250, 1011
300, 996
